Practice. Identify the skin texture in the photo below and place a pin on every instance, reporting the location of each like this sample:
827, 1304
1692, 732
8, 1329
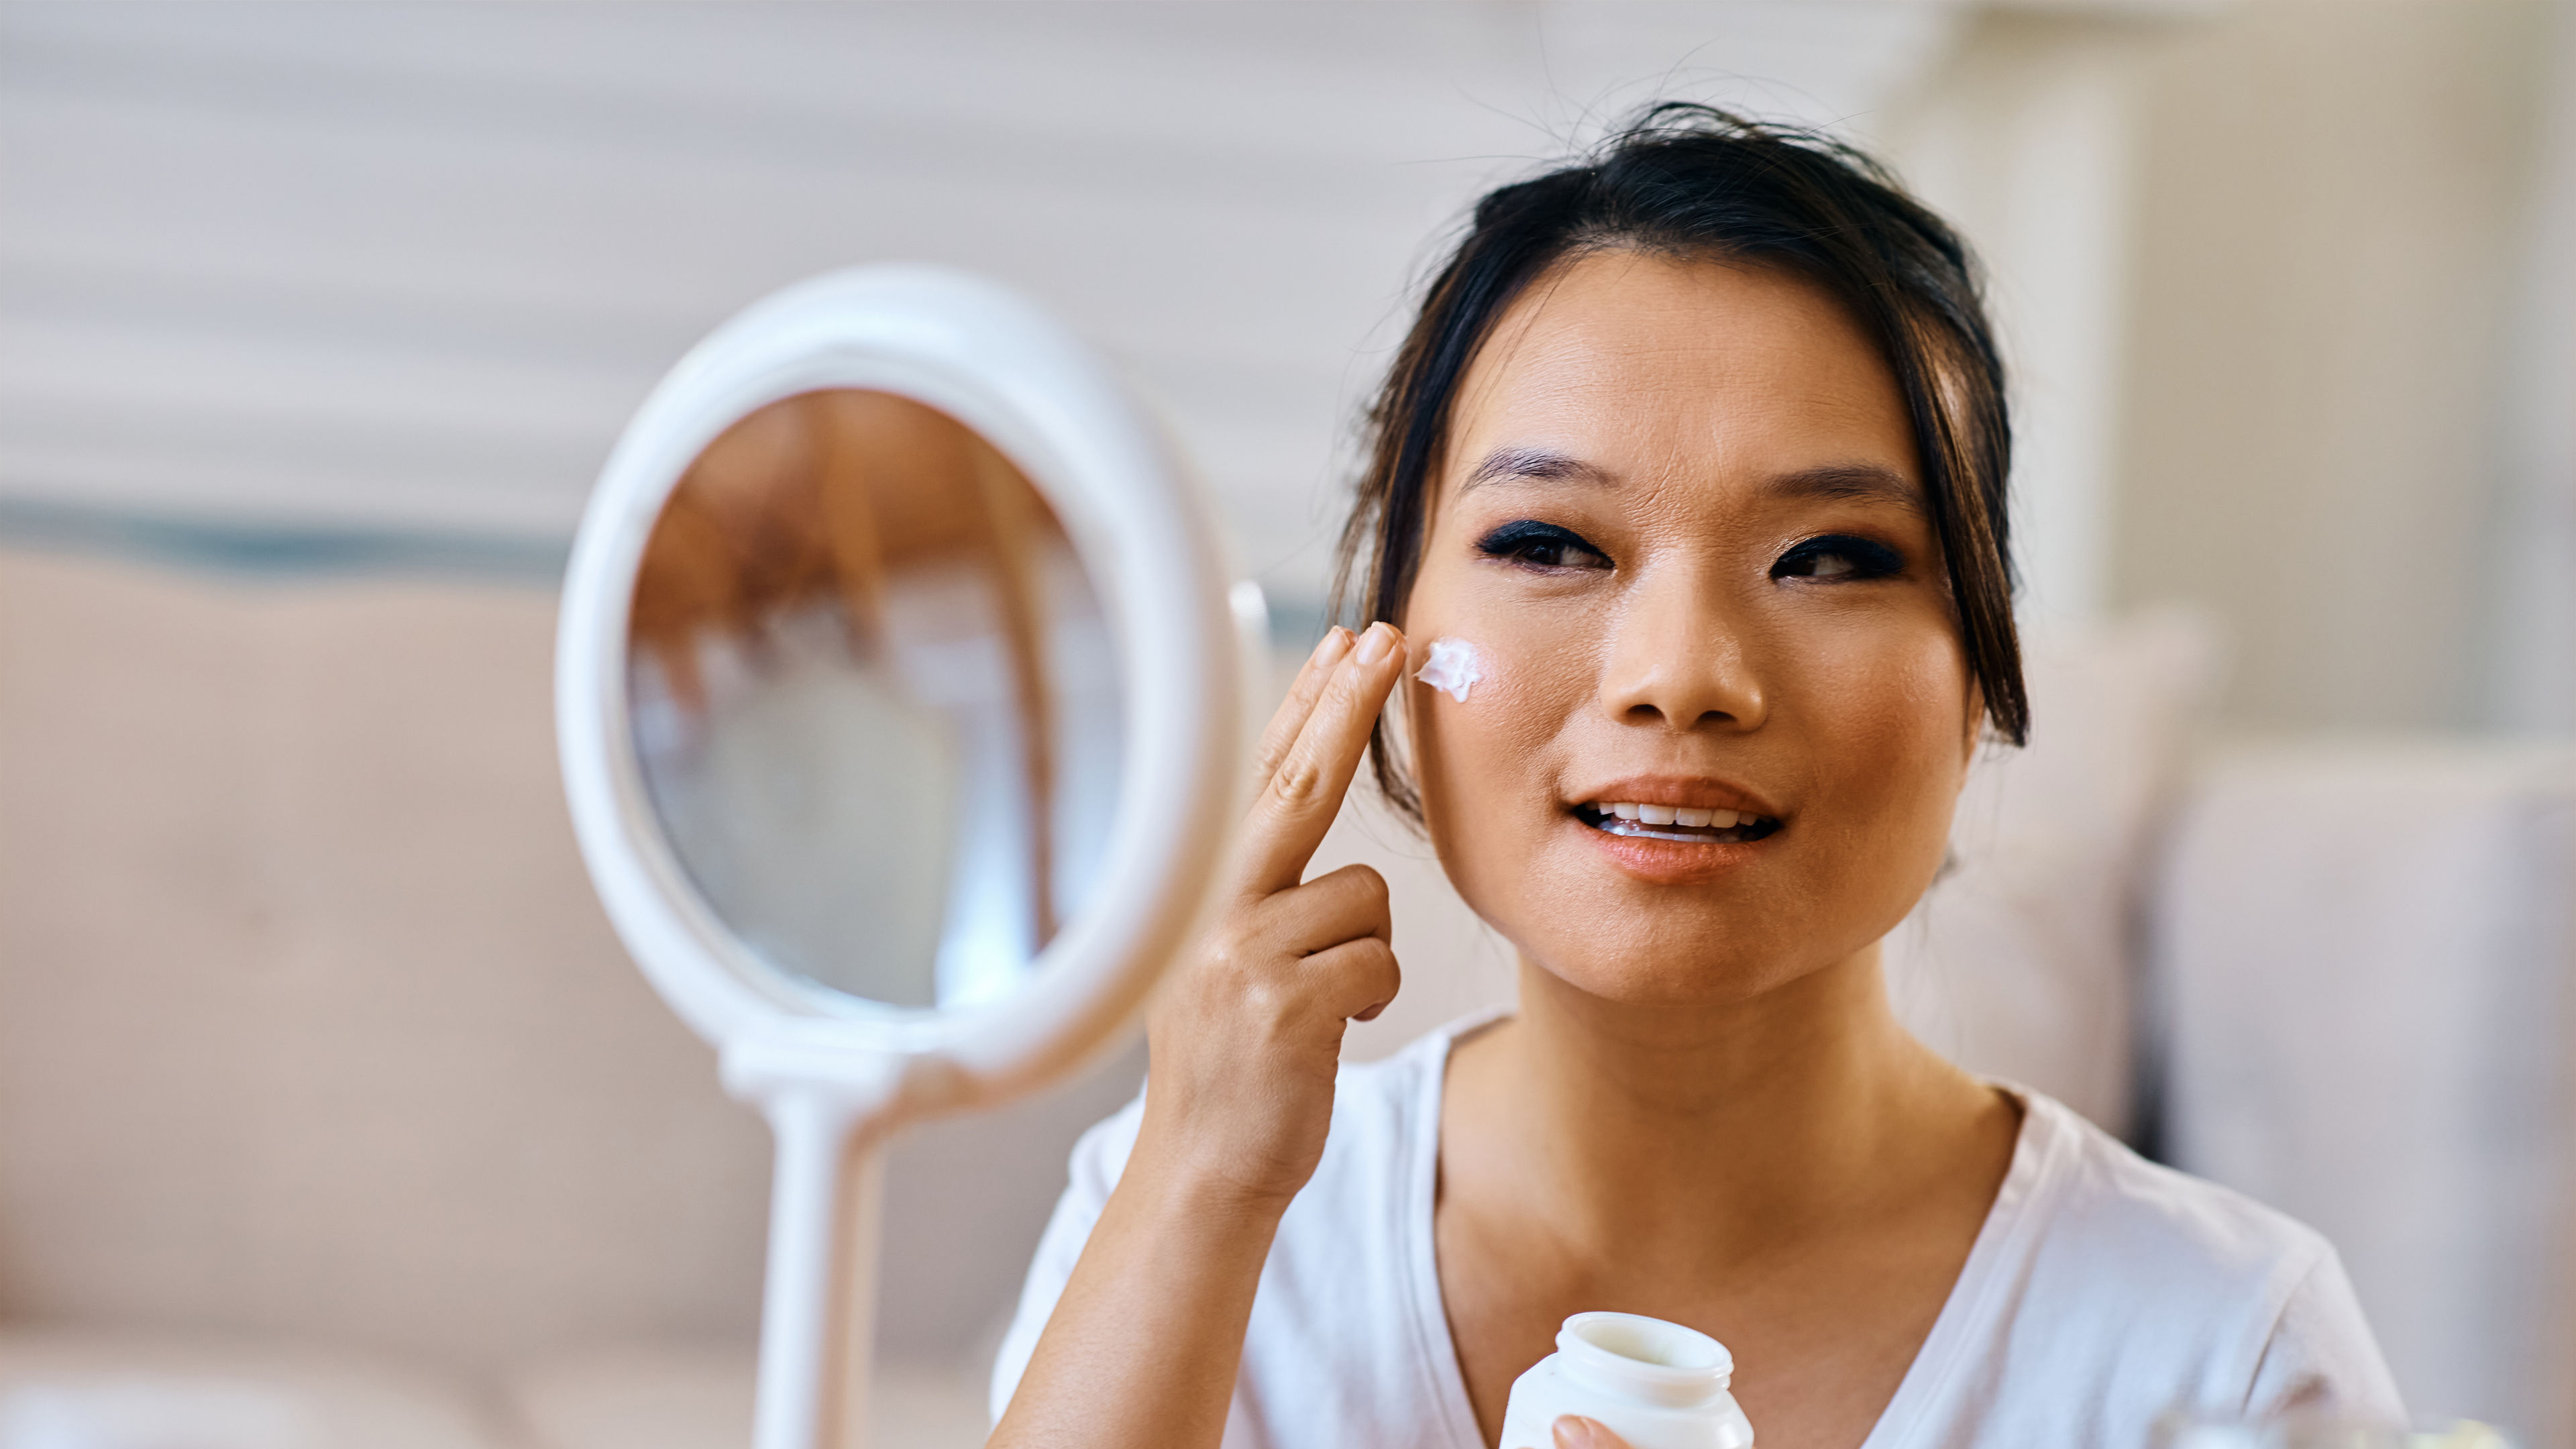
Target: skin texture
1704, 1109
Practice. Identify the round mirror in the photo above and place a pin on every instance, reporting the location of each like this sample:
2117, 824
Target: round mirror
857, 723
875, 701
897, 693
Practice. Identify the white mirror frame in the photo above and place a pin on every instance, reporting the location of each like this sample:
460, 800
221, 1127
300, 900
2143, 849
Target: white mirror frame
834, 1077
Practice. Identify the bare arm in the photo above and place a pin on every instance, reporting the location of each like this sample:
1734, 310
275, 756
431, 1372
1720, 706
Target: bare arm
1244, 1040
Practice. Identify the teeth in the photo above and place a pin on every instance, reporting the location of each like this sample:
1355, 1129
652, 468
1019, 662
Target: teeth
1676, 815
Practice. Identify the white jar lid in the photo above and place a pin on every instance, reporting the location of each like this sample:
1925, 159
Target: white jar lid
1648, 1358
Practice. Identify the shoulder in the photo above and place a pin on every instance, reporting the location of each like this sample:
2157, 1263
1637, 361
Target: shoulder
2218, 1299
2164, 1232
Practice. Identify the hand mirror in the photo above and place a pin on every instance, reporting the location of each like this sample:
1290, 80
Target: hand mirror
897, 692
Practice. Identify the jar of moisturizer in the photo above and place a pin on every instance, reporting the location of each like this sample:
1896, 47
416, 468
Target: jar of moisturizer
1657, 1385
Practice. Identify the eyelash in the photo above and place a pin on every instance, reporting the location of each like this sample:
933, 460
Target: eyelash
1864, 558
1539, 545
1544, 545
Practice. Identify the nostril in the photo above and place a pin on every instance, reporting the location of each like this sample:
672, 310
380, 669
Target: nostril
1647, 714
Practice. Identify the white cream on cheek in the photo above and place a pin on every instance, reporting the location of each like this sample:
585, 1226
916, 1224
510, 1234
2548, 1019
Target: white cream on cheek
1453, 668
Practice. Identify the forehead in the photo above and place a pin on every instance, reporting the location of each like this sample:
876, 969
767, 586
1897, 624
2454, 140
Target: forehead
1632, 359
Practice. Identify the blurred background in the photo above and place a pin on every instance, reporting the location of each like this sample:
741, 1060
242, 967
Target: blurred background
329, 1107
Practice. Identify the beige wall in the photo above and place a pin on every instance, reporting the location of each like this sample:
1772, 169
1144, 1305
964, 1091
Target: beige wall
2330, 203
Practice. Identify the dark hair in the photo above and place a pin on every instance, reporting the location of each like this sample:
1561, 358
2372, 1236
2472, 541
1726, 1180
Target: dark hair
1690, 180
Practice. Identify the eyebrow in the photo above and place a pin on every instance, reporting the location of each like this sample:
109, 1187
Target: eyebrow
1850, 483
1831, 482
1537, 465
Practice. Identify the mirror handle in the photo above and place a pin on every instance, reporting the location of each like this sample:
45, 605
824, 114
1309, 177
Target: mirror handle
818, 1310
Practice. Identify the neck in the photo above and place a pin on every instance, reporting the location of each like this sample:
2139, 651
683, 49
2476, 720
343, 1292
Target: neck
1785, 1112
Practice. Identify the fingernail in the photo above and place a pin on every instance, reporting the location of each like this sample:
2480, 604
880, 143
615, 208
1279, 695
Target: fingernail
1375, 643
1335, 643
1573, 1431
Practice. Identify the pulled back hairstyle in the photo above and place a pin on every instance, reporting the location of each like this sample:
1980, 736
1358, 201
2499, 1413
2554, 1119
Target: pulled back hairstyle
1692, 181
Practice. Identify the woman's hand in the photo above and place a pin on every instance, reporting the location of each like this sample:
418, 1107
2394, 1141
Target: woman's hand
1245, 1040
1246, 1035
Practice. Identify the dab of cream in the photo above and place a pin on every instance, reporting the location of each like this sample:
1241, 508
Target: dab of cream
1452, 668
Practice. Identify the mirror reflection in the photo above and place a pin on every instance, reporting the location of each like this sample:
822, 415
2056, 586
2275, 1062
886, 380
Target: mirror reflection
875, 699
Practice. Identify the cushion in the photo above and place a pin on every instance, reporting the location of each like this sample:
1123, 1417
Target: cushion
2021, 962
700, 1397
2365, 953
102, 1390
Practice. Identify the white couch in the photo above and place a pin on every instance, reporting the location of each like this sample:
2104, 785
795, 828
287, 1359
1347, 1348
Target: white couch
2369, 1023
331, 1114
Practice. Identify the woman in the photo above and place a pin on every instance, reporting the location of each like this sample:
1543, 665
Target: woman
1688, 486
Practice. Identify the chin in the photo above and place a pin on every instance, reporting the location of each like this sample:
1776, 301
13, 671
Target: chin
1678, 968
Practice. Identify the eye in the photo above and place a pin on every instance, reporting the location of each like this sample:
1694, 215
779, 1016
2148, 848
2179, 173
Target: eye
1838, 556
1541, 545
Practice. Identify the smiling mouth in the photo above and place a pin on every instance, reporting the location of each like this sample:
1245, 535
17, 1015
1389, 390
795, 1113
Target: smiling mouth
1670, 822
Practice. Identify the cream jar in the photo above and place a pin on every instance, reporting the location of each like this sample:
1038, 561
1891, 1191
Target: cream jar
1657, 1385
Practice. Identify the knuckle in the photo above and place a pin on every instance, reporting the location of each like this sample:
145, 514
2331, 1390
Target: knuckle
1361, 901
1264, 997
1271, 915
1298, 782
1283, 722
1354, 884
1234, 947
1274, 745
1362, 970
1372, 885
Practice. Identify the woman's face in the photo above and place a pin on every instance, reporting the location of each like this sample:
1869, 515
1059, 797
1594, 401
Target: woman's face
1680, 523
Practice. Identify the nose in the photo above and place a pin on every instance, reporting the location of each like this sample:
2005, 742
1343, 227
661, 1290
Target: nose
1679, 657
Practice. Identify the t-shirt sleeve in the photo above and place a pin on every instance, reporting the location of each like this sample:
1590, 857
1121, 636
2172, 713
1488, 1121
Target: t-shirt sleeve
1098, 1158
2321, 1355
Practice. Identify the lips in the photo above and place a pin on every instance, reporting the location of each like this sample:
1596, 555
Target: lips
1679, 792
1674, 822
1673, 830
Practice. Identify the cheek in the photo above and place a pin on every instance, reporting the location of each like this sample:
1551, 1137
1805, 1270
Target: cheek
1475, 700
1888, 715
1475, 759
1454, 667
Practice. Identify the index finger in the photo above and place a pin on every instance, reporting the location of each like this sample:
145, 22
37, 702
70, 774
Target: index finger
1292, 713
1305, 791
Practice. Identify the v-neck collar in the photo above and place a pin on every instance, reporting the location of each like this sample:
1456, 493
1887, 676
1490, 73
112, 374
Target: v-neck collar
1967, 1315
1964, 1320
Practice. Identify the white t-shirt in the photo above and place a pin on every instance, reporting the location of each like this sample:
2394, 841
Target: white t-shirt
2102, 1291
